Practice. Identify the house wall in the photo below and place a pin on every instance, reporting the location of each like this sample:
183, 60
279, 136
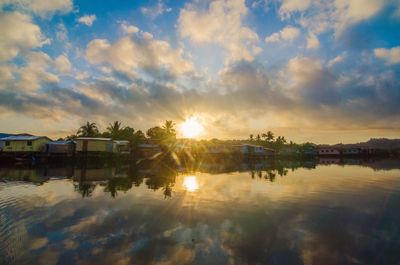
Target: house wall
328, 151
121, 148
352, 151
94, 146
22, 146
67, 148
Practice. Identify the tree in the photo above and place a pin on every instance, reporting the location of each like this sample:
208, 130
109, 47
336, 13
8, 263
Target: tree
258, 138
115, 129
251, 137
88, 130
270, 136
156, 133
169, 127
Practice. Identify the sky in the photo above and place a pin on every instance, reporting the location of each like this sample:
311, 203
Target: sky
325, 71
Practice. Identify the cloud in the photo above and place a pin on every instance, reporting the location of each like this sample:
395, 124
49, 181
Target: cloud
18, 34
128, 29
62, 64
337, 15
289, 33
155, 11
312, 41
131, 54
42, 8
62, 32
336, 60
390, 56
36, 73
87, 20
221, 24
289, 6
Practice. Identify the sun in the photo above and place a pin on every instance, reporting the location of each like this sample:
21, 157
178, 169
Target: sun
190, 183
191, 128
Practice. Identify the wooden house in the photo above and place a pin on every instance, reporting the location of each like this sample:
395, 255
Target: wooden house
94, 145
60, 148
148, 150
24, 144
329, 151
121, 147
252, 150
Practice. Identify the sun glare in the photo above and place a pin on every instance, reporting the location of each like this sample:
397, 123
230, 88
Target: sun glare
191, 128
190, 183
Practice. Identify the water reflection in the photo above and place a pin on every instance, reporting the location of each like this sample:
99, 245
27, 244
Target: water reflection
273, 212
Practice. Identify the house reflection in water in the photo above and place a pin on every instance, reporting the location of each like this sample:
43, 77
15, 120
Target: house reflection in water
155, 176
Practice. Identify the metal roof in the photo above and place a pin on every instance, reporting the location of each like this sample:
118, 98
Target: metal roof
121, 141
61, 142
93, 139
2, 135
23, 138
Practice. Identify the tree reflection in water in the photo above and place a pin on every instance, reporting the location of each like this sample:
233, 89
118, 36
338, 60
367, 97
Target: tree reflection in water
160, 174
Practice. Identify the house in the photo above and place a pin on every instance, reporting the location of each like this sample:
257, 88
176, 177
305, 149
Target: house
255, 150
310, 151
288, 151
326, 151
219, 149
352, 151
121, 147
2, 135
20, 143
66, 148
94, 145
148, 149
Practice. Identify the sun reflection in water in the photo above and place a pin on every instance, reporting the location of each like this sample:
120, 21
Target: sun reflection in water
190, 183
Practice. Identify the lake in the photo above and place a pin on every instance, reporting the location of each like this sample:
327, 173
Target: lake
280, 212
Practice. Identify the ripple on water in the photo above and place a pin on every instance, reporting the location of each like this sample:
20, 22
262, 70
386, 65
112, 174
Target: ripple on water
13, 221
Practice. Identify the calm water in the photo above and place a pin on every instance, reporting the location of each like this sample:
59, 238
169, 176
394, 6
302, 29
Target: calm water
217, 213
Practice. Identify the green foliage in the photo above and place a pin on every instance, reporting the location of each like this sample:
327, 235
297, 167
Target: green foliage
88, 130
165, 136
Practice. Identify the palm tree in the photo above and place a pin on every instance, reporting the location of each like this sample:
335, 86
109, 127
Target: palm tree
169, 127
251, 137
89, 130
270, 136
115, 129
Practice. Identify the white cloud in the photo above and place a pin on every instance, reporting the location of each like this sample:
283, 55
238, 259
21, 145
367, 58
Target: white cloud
303, 69
155, 11
36, 72
43, 8
350, 12
18, 34
390, 56
131, 54
62, 64
7, 72
312, 41
62, 33
289, 33
128, 29
336, 60
338, 15
87, 20
221, 24
289, 6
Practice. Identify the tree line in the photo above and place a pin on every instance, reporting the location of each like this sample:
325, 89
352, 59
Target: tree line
165, 135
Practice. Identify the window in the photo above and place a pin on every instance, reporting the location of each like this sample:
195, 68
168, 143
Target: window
7, 143
29, 143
